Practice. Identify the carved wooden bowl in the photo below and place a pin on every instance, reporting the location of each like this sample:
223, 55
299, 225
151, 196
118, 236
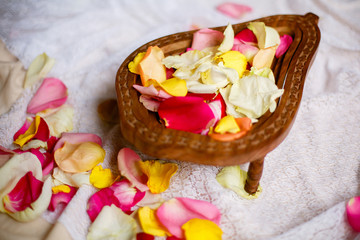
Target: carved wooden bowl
145, 132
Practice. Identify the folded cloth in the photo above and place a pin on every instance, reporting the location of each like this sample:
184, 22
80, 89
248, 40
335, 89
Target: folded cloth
12, 75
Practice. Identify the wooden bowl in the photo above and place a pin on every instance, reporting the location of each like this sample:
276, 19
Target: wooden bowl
142, 128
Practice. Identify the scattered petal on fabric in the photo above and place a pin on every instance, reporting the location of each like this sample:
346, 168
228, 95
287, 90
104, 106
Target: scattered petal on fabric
246, 36
76, 158
144, 236
233, 10
353, 213
254, 95
24, 128
129, 168
234, 178
26, 191
112, 223
202, 229
61, 195
285, 42
150, 200
176, 212
37, 130
264, 58
151, 66
205, 38
35, 143
227, 124
235, 60
51, 94
134, 64
71, 179
127, 195
77, 138
104, 197
189, 114
159, 174
150, 224
228, 41
60, 121
38, 69
46, 160
101, 178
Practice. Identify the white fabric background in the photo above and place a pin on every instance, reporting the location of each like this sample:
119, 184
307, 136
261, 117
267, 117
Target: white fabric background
306, 181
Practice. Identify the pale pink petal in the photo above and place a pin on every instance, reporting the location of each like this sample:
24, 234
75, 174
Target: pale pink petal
233, 10
285, 42
61, 198
249, 51
151, 91
189, 114
5, 155
104, 197
51, 94
26, 191
150, 103
206, 38
245, 36
177, 211
23, 129
353, 213
75, 138
128, 167
127, 195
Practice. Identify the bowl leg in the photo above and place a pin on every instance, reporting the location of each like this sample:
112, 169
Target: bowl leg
254, 175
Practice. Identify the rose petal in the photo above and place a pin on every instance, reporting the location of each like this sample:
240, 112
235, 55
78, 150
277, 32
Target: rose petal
246, 36
264, 58
205, 38
228, 41
71, 179
101, 178
35, 143
127, 195
51, 94
177, 211
234, 60
26, 191
112, 223
77, 138
38, 69
37, 130
159, 174
134, 64
104, 197
150, 103
201, 229
233, 10
266, 36
150, 223
227, 124
151, 66
150, 200
169, 72
144, 236
175, 87
46, 160
234, 178
190, 114
61, 197
249, 51
5, 155
152, 91
353, 213
24, 128
60, 121
128, 167
81, 157
285, 42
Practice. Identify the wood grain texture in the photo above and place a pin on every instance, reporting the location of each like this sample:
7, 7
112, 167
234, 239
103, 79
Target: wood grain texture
143, 129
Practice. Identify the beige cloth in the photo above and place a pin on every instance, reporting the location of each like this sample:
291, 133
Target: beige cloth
12, 75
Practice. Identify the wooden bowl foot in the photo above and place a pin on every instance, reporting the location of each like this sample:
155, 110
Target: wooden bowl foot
254, 174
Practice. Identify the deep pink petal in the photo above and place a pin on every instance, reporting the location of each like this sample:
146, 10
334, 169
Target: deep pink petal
177, 211
23, 129
189, 114
51, 94
61, 198
206, 38
246, 36
285, 42
127, 165
144, 236
43, 132
233, 10
26, 191
353, 213
127, 195
169, 73
51, 143
173, 238
46, 160
104, 197
75, 138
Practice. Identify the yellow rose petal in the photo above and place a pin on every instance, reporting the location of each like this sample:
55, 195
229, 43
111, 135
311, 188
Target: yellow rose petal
227, 124
61, 188
134, 65
30, 132
159, 174
201, 229
175, 87
235, 60
150, 224
82, 157
101, 178
38, 69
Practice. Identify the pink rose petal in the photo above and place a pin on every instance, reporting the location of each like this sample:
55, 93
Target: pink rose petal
151, 91
127, 195
189, 114
206, 38
51, 142
26, 191
5, 155
144, 236
150, 103
353, 213
23, 129
127, 159
46, 160
285, 42
246, 36
177, 211
233, 10
61, 198
51, 94
104, 197
76, 138
169, 73
249, 51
